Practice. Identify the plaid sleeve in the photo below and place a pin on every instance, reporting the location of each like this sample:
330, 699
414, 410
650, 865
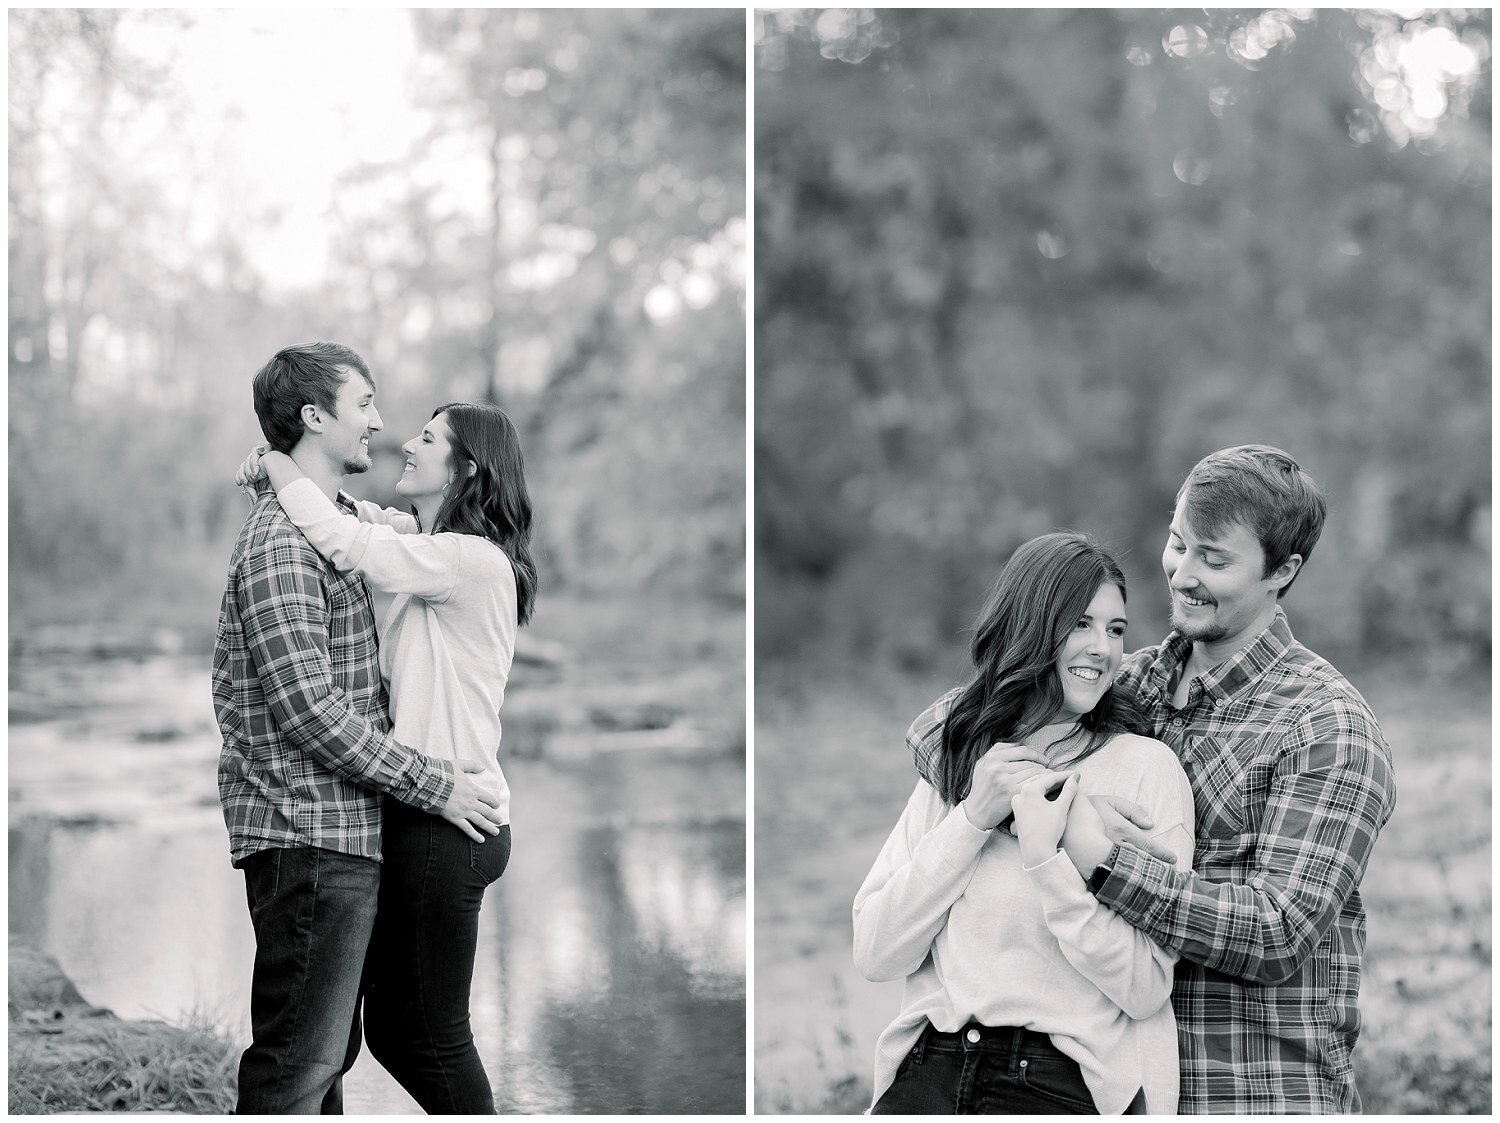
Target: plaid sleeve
924, 737
285, 616
1330, 794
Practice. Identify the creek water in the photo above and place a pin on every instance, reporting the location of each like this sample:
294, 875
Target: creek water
610, 976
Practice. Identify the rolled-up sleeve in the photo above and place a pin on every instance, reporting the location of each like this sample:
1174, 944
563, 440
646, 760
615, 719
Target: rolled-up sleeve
1330, 793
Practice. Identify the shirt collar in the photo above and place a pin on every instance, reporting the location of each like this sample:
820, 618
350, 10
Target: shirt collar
1229, 677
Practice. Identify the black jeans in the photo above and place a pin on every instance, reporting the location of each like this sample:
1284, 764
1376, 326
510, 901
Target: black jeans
985, 1070
313, 911
421, 961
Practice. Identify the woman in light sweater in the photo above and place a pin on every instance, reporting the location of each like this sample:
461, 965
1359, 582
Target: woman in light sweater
464, 581
1023, 994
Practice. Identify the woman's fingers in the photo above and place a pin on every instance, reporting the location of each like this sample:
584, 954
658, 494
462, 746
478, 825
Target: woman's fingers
1009, 751
1049, 781
250, 468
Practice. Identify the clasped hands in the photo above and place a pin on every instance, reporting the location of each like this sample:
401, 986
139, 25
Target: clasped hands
250, 473
1012, 778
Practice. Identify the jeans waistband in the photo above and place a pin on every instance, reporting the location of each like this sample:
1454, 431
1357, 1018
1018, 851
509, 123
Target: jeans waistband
997, 1040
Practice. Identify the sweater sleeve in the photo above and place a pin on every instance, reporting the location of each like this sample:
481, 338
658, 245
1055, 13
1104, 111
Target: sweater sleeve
425, 565
1130, 968
924, 867
386, 516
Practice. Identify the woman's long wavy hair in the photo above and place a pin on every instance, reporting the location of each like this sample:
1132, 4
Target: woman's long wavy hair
1043, 591
492, 501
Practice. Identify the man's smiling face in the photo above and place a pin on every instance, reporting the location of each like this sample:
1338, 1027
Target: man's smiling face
1218, 584
347, 432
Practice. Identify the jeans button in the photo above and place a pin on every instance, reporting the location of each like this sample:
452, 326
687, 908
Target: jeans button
973, 1036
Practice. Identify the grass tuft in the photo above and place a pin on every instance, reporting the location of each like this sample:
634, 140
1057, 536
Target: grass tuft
109, 1065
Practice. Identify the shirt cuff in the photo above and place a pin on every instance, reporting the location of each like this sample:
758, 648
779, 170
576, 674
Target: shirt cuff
1136, 885
955, 842
1057, 879
436, 784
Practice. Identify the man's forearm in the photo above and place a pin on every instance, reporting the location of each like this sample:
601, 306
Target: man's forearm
349, 745
1239, 930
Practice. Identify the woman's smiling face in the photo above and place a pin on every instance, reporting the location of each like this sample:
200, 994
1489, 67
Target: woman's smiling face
1092, 653
428, 454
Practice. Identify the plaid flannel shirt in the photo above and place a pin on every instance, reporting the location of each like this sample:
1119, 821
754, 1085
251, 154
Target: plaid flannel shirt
1293, 781
300, 702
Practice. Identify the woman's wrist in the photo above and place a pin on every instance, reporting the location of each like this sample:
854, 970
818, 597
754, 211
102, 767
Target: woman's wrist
280, 469
1035, 853
978, 822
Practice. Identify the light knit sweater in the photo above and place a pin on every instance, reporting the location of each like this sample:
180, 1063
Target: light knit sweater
979, 937
447, 642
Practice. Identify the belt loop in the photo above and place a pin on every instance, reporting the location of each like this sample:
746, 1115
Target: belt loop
919, 1050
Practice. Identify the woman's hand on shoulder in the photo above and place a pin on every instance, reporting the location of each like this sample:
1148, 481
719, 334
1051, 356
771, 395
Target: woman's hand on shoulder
251, 471
998, 776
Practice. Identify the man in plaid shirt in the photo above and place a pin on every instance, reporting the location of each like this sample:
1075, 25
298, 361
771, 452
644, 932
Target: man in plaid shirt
1292, 780
307, 750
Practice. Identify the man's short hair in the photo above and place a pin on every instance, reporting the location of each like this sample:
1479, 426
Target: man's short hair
1262, 489
306, 373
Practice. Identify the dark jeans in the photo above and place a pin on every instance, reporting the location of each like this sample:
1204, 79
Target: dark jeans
1003, 1071
313, 911
421, 960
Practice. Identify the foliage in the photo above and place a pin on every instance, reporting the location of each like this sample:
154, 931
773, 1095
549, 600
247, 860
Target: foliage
1020, 269
614, 187
566, 239
1430, 1084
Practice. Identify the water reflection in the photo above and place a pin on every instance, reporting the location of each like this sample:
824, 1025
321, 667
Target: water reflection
610, 975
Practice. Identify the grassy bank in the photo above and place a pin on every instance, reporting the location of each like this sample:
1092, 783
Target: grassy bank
66, 1055
832, 773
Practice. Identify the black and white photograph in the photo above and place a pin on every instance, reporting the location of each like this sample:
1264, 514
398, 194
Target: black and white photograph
710, 561
1122, 555
377, 561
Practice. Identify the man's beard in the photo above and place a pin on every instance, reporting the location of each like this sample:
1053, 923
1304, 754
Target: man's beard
355, 467
1208, 632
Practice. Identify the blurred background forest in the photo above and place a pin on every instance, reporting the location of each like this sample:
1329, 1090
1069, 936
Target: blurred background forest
1020, 270
562, 233
542, 209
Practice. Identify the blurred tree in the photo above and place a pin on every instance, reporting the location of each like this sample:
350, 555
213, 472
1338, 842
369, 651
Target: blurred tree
1021, 269
594, 287
605, 309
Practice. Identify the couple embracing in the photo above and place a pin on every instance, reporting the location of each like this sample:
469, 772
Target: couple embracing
359, 778
1130, 884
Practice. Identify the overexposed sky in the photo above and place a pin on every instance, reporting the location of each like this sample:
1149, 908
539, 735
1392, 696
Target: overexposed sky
293, 98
